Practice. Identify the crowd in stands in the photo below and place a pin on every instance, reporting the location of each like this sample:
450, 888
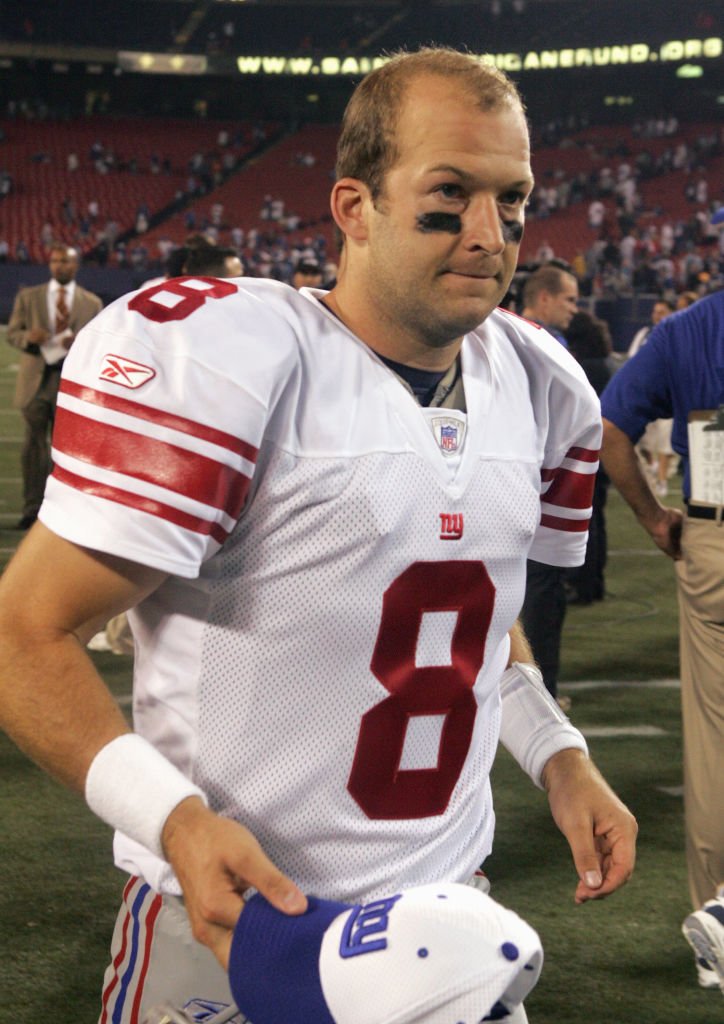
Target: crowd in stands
635, 240
641, 238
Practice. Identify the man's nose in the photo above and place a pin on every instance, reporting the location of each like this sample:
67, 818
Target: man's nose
482, 226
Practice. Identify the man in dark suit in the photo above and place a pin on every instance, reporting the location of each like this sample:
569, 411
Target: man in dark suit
43, 325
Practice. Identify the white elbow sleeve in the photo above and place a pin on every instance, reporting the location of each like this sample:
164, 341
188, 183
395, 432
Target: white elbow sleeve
533, 727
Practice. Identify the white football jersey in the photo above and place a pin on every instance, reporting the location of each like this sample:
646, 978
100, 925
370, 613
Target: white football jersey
344, 566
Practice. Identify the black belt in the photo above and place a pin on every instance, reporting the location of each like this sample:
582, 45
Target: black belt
701, 512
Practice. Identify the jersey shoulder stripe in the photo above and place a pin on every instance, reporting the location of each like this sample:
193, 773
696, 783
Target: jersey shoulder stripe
141, 503
567, 490
156, 462
583, 454
564, 525
159, 416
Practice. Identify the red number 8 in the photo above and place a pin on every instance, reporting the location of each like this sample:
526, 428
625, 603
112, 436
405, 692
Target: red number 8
381, 788
191, 298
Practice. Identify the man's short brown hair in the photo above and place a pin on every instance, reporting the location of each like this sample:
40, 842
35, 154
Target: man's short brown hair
68, 250
366, 148
549, 278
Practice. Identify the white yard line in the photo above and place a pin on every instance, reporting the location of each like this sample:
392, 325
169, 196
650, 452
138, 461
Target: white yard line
617, 731
625, 552
615, 684
671, 790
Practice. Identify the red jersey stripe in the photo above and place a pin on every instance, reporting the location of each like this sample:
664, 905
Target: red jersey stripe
566, 525
164, 419
119, 958
150, 921
142, 504
582, 454
570, 489
156, 462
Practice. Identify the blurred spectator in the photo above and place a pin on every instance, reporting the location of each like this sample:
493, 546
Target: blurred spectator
654, 447
307, 274
550, 296
589, 341
213, 261
43, 324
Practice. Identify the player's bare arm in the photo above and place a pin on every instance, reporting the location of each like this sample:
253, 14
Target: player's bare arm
622, 465
58, 710
53, 703
520, 649
600, 829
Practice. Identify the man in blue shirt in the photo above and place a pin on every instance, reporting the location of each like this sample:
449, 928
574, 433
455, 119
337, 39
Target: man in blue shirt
679, 373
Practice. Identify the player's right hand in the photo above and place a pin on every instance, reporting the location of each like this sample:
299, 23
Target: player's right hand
216, 860
666, 532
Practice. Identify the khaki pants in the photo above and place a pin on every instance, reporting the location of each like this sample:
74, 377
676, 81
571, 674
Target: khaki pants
701, 647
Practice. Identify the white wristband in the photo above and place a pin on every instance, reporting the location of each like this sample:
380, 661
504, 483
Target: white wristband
533, 728
134, 788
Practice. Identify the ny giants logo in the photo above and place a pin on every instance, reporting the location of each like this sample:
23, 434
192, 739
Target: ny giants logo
364, 929
451, 525
126, 372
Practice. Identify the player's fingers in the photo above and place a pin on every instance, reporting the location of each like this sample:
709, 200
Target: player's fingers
612, 881
259, 873
618, 860
586, 857
219, 942
281, 891
219, 908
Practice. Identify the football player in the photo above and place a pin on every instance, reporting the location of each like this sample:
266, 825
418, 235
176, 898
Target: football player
318, 506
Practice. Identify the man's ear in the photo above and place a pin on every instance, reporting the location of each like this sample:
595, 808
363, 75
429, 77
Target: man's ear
350, 203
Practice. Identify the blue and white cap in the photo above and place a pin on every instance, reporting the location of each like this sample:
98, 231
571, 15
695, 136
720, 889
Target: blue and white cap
436, 954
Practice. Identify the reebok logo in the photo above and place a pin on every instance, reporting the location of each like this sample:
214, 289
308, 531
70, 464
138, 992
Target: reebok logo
126, 372
451, 525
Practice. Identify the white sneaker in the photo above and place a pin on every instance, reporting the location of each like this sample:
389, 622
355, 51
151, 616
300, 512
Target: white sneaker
704, 931
661, 488
707, 977
99, 642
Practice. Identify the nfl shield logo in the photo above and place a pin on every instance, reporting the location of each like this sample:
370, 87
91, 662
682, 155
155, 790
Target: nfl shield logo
449, 437
449, 432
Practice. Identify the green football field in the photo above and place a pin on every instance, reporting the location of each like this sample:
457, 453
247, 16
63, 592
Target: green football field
615, 962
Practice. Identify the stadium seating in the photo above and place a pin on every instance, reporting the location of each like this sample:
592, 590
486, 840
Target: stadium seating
35, 153
276, 173
587, 152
